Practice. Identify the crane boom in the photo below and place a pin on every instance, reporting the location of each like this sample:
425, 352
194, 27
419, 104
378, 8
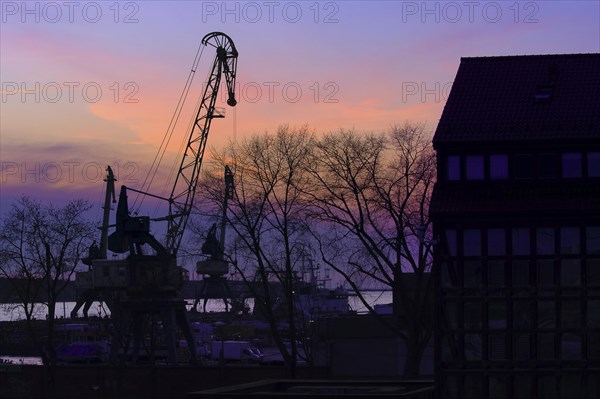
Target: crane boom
182, 196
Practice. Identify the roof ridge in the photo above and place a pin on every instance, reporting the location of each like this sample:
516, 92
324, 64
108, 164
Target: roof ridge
522, 56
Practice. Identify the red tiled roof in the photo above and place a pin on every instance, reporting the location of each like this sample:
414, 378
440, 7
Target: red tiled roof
493, 99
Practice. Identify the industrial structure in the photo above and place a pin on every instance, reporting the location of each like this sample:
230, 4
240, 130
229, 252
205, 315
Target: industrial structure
516, 210
143, 287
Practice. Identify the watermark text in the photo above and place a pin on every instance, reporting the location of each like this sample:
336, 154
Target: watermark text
54, 92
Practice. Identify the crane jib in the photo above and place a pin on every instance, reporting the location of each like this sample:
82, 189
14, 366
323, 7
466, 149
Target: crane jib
183, 192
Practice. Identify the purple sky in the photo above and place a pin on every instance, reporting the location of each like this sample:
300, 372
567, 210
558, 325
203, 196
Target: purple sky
85, 84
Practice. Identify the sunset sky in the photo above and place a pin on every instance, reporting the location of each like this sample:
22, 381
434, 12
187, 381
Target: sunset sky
86, 84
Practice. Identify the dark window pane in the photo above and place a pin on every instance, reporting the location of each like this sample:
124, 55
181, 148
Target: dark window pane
496, 242
593, 313
545, 241
451, 241
522, 386
569, 240
449, 275
497, 346
522, 346
571, 383
472, 346
453, 167
545, 273
594, 346
523, 166
571, 164
451, 314
473, 387
472, 274
520, 273
593, 240
547, 386
496, 274
499, 166
450, 387
497, 315
472, 242
545, 347
570, 272
520, 241
474, 167
472, 315
522, 314
548, 165
593, 272
498, 387
571, 348
593, 159
570, 314
546, 316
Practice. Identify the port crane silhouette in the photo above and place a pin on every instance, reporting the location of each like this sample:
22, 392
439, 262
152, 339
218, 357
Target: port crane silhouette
146, 283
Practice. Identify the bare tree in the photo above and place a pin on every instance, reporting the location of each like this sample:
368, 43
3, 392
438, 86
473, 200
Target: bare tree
40, 250
266, 216
370, 193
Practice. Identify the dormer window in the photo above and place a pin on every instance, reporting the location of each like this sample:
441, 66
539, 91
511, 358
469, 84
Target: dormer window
593, 164
498, 166
571, 164
453, 167
474, 167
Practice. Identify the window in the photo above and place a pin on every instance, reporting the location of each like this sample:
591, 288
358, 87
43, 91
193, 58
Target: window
472, 315
569, 240
571, 350
451, 241
522, 314
570, 273
472, 274
548, 165
593, 166
449, 275
521, 347
545, 241
546, 317
472, 347
593, 240
593, 276
520, 241
497, 346
472, 242
570, 314
453, 167
496, 242
498, 166
523, 166
474, 167
593, 314
545, 273
520, 273
497, 315
571, 164
496, 276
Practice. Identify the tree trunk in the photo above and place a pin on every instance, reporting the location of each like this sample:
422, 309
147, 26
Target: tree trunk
414, 354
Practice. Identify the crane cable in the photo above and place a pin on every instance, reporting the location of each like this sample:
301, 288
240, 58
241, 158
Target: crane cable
180, 153
169, 132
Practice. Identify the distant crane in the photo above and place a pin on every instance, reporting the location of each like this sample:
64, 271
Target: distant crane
144, 284
215, 267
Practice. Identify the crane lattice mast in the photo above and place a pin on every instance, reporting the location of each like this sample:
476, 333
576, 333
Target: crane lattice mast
182, 196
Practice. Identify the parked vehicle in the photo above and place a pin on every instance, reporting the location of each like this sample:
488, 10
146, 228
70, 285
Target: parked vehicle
235, 351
